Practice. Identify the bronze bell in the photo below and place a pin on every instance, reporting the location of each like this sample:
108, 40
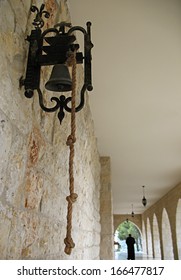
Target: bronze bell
60, 79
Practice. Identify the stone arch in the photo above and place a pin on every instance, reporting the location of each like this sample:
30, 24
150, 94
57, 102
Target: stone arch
118, 219
167, 237
149, 239
156, 239
178, 228
132, 223
115, 233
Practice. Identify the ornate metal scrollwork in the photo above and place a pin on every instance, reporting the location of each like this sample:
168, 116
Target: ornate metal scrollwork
61, 103
38, 21
54, 46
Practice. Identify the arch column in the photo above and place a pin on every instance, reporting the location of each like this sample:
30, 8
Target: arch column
149, 239
168, 252
144, 238
156, 239
178, 228
106, 211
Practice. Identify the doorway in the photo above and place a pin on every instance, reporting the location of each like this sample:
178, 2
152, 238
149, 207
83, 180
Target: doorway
123, 230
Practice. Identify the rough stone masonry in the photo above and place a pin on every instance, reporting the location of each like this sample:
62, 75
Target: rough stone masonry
34, 155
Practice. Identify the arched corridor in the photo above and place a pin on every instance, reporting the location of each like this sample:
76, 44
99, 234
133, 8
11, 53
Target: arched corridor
160, 227
120, 236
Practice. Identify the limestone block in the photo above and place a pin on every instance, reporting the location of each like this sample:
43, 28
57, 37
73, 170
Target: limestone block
11, 106
52, 7
20, 14
53, 203
106, 206
96, 238
61, 132
5, 226
50, 238
64, 12
91, 253
26, 5
106, 225
7, 19
46, 121
17, 235
30, 222
15, 169
107, 247
33, 190
60, 168
5, 146
47, 162
36, 146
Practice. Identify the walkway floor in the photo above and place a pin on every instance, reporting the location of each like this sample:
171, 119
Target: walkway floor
138, 256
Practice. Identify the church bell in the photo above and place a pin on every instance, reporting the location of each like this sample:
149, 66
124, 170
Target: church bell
60, 79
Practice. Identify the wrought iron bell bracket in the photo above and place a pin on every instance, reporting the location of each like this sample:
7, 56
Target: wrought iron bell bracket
46, 49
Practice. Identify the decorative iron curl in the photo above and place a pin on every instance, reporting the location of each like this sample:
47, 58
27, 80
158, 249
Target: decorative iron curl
38, 21
61, 103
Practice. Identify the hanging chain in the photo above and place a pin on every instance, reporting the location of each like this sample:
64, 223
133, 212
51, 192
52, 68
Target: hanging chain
69, 244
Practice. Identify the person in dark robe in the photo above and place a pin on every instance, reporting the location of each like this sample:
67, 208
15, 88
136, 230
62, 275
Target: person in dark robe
130, 241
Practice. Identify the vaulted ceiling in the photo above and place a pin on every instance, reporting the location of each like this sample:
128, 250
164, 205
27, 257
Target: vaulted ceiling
136, 101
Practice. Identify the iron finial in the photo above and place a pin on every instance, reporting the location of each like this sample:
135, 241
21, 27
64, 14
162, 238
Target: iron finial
38, 21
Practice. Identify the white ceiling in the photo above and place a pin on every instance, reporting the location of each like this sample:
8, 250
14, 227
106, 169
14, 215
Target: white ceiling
136, 101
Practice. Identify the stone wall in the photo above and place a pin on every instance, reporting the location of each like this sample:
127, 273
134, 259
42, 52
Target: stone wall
34, 156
